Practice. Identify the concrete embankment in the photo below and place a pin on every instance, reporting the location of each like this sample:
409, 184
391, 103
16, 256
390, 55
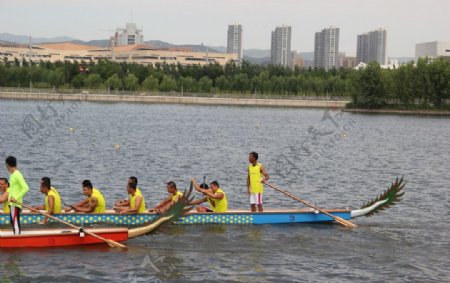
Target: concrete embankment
305, 103
399, 112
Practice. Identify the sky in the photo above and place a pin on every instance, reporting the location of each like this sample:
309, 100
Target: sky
205, 21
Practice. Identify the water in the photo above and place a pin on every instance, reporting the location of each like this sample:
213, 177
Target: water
351, 161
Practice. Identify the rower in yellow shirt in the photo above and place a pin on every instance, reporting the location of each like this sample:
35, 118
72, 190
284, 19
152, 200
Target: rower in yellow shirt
52, 203
4, 187
94, 202
136, 201
174, 195
126, 202
213, 194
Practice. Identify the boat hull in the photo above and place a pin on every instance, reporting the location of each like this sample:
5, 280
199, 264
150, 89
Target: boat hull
232, 217
45, 238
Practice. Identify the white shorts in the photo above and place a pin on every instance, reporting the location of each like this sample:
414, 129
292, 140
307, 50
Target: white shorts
256, 198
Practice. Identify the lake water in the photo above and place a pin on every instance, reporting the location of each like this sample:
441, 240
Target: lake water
333, 159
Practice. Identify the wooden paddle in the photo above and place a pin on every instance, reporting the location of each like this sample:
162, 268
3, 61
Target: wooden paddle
336, 218
112, 243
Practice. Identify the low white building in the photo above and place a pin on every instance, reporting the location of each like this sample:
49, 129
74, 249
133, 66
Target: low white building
433, 49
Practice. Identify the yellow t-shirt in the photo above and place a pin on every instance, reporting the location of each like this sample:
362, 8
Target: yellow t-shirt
101, 204
176, 196
56, 201
255, 174
5, 205
219, 205
133, 202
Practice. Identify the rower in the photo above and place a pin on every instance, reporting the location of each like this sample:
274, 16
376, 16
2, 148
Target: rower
52, 203
137, 201
174, 195
256, 177
18, 188
4, 187
94, 203
126, 202
214, 195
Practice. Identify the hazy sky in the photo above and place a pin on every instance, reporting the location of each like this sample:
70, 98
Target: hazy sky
195, 21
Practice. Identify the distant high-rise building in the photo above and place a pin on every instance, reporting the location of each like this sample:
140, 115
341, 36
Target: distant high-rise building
326, 48
280, 51
371, 46
235, 41
129, 35
432, 49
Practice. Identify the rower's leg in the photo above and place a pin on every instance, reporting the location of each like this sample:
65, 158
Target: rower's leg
260, 208
259, 202
14, 217
253, 202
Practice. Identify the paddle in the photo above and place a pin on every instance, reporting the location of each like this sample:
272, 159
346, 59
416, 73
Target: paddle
336, 218
112, 243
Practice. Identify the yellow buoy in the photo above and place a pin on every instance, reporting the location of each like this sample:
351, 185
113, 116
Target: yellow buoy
117, 146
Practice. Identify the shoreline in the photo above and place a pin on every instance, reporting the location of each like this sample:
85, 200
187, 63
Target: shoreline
417, 112
186, 100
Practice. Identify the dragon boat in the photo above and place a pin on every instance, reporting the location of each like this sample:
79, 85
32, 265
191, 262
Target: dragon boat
74, 236
279, 216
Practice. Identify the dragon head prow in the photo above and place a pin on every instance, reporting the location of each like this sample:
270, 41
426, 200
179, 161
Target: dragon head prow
389, 197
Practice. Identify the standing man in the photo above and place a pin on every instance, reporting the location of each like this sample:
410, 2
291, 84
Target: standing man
257, 176
52, 203
17, 190
4, 188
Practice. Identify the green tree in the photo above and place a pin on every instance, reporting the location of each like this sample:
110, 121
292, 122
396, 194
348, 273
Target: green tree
150, 83
168, 84
93, 81
114, 82
205, 84
131, 82
370, 90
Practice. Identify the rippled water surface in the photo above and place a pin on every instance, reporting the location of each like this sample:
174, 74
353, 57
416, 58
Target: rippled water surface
333, 159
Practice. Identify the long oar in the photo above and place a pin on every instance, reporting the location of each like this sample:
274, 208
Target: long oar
112, 243
337, 218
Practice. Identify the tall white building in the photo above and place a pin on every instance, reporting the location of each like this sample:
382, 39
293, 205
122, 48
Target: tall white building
371, 46
234, 43
432, 49
280, 51
129, 35
326, 48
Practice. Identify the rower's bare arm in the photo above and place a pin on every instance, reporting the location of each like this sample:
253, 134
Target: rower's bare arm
196, 185
198, 201
39, 207
136, 209
266, 175
217, 196
51, 204
248, 181
4, 197
82, 203
88, 207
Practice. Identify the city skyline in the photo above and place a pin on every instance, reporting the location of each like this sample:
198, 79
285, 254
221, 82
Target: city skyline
184, 23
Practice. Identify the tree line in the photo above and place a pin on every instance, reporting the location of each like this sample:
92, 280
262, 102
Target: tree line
425, 84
